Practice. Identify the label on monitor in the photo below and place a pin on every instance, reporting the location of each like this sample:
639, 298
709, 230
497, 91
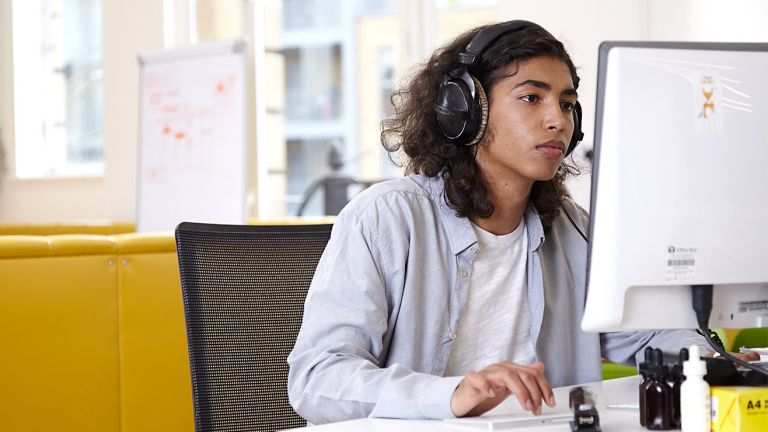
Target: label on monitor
681, 263
753, 306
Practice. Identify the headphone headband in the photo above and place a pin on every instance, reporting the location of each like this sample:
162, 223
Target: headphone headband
486, 37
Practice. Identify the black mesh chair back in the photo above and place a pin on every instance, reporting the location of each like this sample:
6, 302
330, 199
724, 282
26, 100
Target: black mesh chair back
244, 289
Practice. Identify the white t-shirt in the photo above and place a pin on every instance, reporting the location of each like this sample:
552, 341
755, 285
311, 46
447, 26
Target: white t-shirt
495, 323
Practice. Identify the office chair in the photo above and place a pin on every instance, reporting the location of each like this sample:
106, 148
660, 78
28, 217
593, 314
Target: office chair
750, 338
243, 288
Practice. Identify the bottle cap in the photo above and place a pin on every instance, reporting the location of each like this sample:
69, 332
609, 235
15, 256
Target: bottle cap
695, 366
644, 365
657, 369
677, 369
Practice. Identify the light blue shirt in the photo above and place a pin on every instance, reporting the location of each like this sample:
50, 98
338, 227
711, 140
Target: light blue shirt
385, 302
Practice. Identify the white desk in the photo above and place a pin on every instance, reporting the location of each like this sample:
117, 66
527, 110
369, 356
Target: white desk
617, 391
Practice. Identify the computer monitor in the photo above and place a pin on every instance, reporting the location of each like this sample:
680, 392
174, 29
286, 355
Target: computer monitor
679, 185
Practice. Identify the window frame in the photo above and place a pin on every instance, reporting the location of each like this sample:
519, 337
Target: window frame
34, 154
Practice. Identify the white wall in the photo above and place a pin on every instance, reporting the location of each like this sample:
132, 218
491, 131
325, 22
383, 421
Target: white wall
708, 20
129, 27
6, 98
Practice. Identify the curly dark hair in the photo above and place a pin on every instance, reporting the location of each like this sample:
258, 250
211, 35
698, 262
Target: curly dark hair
413, 127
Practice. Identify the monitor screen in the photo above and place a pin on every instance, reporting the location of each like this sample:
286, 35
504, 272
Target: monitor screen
679, 185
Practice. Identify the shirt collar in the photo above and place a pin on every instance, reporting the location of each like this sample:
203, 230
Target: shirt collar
459, 229
535, 228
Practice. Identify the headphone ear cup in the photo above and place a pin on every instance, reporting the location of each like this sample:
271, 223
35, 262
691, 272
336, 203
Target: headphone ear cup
578, 135
482, 106
456, 107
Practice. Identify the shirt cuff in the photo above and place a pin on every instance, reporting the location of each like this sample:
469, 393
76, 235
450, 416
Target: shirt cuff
436, 402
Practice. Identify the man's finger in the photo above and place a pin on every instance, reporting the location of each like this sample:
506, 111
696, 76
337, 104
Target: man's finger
546, 388
480, 383
517, 388
531, 383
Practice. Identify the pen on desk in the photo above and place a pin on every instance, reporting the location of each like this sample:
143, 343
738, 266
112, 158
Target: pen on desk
634, 407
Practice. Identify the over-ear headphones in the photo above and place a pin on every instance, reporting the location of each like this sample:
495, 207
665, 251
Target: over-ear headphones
462, 104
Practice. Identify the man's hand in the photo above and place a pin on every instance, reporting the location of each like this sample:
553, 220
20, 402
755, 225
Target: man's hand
747, 356
481, 391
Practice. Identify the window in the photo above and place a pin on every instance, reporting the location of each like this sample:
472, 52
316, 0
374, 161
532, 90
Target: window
313, 82
341, 62
316, 45
57, 61
311, 157
386, 80
312, 14
458, 4
386, 87
378, 6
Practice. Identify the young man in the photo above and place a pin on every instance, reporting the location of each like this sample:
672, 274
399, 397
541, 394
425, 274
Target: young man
442, 293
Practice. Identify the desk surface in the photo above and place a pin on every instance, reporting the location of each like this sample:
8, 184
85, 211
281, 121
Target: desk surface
613, 392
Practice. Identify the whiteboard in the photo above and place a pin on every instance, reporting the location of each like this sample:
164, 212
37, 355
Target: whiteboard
192, 138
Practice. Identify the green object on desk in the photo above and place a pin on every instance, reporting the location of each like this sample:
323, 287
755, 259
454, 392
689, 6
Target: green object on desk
615, 370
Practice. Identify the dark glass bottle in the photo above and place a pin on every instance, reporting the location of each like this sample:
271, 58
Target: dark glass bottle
658, 397
644, 384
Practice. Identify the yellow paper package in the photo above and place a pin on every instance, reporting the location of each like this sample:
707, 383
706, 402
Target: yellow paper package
739, 409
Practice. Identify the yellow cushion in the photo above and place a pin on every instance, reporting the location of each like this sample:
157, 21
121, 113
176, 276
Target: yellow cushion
156, 389
81, 244
19, 246
86, 227
58, 326
143, 243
